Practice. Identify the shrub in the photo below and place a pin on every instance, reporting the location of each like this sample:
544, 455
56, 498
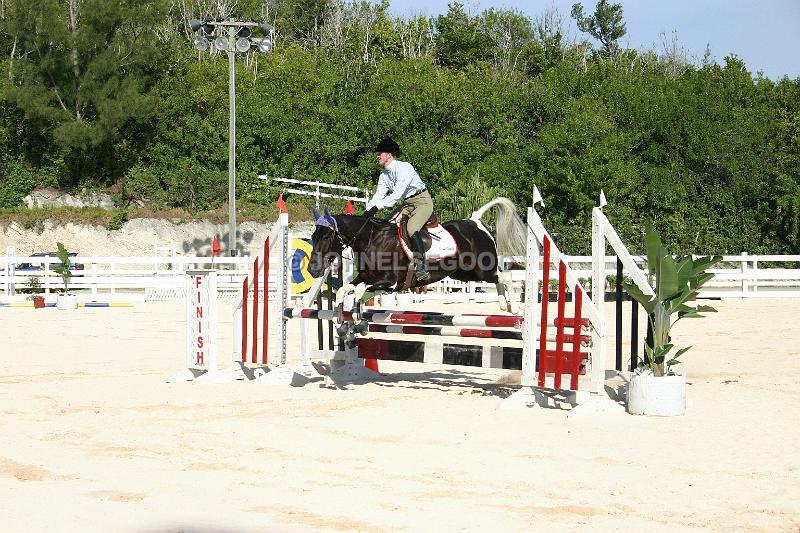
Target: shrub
17, 184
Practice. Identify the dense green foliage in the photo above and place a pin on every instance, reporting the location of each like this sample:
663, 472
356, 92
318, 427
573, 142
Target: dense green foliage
111, 93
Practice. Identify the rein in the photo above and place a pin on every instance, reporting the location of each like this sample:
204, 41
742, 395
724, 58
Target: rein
355, 235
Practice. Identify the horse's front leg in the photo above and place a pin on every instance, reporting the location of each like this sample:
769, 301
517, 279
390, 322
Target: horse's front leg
345, 296
349, 294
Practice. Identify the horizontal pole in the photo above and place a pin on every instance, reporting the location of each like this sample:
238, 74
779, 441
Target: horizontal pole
327, 195
422, 319
313, 183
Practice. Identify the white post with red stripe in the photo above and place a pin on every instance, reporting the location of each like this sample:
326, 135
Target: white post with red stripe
201, 330
273, 264
534, 392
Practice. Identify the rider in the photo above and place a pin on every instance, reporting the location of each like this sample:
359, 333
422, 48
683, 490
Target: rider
399, 181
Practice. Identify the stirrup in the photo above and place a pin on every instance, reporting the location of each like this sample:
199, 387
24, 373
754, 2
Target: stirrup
421, 274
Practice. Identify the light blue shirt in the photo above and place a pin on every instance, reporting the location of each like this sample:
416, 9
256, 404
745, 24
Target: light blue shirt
398, 181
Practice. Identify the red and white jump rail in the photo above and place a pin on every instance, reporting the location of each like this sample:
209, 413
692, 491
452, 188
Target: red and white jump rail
424, 318
346, 364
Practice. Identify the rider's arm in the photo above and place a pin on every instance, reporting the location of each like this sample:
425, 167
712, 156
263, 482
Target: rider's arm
380, 192
405, 174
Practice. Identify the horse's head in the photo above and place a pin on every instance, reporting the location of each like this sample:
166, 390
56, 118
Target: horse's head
327, 243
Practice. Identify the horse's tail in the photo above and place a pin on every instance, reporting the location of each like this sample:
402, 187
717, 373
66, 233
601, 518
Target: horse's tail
511, 233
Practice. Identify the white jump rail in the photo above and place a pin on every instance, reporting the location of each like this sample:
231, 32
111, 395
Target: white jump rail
313, 188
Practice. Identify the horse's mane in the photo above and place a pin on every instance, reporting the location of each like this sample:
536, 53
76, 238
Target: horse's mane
380, 222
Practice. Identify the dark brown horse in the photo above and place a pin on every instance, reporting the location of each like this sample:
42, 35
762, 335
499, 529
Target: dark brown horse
382, 264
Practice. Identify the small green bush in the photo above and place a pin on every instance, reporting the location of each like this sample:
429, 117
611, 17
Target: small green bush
17, 184
117, 220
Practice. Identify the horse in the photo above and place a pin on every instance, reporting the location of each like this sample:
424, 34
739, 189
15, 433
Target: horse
382, 264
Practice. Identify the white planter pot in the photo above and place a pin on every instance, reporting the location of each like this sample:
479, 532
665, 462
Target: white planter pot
657, 396
67, 301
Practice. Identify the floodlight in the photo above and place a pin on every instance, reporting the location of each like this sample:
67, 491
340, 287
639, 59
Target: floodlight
267, 29
243, 45
264, 43
221, 43
201, 43
195, 24
243, 32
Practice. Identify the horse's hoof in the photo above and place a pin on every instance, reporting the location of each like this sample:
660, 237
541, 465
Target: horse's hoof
503, 302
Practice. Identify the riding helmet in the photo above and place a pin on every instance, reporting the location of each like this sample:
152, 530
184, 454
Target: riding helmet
388, 145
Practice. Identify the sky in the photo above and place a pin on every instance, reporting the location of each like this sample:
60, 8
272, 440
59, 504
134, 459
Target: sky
765, 34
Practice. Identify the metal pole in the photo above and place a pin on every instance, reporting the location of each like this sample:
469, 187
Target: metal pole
232, 143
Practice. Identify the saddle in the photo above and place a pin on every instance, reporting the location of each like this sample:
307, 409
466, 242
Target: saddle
437, 241
427, 238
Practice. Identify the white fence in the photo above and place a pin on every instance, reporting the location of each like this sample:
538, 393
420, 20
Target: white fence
115, 278
131, 278
314, 188
736, 276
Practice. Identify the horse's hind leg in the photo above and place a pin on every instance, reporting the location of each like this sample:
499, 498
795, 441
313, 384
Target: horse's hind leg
506, 297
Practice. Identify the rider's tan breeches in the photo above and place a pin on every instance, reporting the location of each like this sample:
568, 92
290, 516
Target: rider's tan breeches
419, 209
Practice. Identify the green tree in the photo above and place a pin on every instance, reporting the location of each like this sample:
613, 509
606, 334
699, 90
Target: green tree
511, 32
81, 71
606, 25
299, 21
459, 41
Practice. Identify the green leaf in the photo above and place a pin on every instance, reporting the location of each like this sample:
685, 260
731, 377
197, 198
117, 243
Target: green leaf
676, 303
652, 247
667, 282
705, 309
645, 300
680, 352
684, 271
705, 262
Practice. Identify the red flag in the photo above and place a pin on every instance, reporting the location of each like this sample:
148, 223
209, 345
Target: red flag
214, 247
281, 205
348, 209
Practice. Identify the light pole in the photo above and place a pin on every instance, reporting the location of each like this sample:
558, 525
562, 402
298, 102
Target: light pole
231, 36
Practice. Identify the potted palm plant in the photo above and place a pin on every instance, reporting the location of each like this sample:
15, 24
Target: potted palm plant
64, 300
655, 387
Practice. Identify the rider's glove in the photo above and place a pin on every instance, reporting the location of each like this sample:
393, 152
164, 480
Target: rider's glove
371, 211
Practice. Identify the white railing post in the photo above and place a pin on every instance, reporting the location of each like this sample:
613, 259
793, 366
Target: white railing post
598, 351
755, 276
94, 275
113, 267
745, 283
46, 278
8, 269
532, 309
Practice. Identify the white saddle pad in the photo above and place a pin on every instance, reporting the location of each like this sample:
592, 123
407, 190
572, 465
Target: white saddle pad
443, 244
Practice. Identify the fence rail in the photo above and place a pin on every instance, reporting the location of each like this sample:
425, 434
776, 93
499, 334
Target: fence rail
740, 276
313, 188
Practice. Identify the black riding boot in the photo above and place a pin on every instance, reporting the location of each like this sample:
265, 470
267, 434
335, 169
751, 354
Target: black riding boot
419, 258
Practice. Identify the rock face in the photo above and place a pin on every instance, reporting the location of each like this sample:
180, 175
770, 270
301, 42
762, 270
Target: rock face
52, 198
139, 238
